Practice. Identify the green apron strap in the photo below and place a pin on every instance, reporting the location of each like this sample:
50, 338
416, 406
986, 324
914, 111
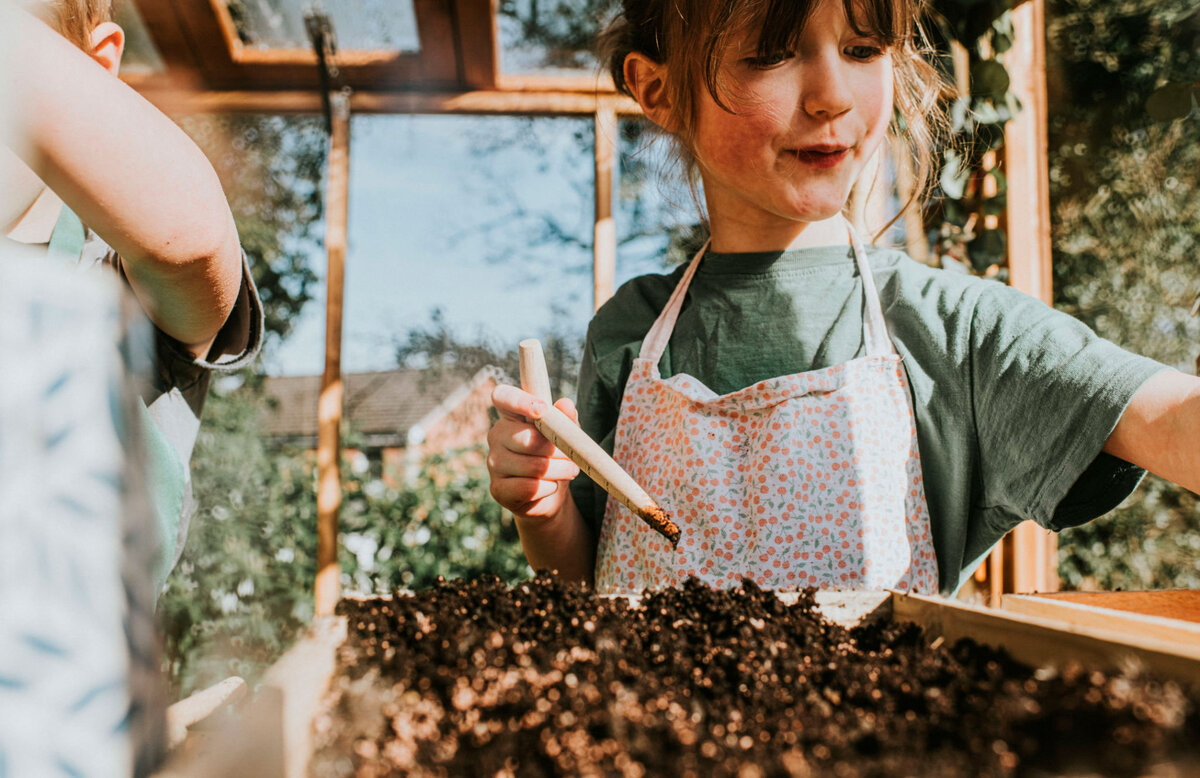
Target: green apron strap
66, 242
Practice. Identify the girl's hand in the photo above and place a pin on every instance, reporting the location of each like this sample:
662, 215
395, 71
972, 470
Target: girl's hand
529, 474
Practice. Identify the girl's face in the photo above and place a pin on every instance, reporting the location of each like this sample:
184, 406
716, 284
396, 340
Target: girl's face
804, 125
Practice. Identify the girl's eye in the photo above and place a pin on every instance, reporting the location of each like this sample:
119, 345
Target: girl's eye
864, 52
774, 59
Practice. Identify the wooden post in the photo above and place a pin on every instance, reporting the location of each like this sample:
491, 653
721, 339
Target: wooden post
1025, 144
996, 578
1032, 558
604, 245
329, 409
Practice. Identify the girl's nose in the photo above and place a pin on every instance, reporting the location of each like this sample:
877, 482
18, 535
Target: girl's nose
825, 91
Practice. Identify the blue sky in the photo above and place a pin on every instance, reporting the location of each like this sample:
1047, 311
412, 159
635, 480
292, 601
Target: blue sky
448, 212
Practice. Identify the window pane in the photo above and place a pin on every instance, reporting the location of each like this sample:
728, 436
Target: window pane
656, 217
551, 38
1125, 171
358, 24
485, 219
1124, 143
140, 55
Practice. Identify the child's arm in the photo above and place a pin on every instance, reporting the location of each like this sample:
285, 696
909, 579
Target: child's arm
531, 477
130, 173
1160, 429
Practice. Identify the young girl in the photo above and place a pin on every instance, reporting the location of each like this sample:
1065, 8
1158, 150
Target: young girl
813, 412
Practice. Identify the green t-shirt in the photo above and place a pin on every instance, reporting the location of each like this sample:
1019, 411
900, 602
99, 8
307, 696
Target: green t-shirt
1014, 400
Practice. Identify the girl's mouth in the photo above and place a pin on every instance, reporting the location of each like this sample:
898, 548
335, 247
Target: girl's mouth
821, 158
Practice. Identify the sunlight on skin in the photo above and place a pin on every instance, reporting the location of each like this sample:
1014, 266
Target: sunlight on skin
779, 168
1160, 430
152, 195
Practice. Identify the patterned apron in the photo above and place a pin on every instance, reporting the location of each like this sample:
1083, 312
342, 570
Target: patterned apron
811, 479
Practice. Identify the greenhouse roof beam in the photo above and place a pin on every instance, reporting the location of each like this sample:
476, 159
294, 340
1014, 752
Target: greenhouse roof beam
203, 51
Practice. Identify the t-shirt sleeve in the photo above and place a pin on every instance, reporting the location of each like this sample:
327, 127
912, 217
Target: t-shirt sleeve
239, 339
598, 418
614, 338
237, 343
1047, 392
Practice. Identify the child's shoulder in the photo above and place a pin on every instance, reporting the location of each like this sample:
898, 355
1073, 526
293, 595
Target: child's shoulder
634, 306
901, 275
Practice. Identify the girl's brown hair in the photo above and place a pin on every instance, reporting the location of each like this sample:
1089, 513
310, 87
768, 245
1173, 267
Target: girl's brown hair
691, 37
74, 19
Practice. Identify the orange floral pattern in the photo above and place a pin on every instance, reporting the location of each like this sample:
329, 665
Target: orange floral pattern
804, 480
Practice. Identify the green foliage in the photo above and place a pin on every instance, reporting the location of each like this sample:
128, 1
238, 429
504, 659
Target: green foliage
243, 588
443, 524
984, 29
1173, 101
969, 20
1150, 542
271, 168
561, 33
1125, 187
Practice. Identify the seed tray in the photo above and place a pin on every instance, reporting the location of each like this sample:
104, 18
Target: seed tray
294, 701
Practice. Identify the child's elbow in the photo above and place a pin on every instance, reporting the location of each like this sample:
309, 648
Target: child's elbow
223, 262
213, 247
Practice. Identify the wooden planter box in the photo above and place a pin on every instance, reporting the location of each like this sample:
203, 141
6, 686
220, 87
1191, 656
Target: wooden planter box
272, 736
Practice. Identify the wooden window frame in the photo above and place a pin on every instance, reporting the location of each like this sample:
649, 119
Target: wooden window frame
199, 42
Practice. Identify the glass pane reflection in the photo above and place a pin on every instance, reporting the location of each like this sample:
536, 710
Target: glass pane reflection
555, 38
360, 25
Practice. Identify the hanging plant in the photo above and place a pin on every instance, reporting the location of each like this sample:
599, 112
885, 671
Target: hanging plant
972, 183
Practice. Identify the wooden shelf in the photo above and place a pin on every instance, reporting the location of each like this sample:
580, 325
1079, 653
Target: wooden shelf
1180, 604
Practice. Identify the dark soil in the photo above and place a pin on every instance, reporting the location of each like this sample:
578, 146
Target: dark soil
474, 678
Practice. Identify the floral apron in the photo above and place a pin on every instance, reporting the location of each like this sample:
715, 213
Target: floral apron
811, 479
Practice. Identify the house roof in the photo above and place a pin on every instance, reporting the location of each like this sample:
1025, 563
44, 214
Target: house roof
382, 406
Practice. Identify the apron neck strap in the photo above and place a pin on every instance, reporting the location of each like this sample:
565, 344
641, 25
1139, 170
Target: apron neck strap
66, 242
655, 342
875, 334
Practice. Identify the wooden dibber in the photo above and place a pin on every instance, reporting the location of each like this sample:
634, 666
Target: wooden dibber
584, 451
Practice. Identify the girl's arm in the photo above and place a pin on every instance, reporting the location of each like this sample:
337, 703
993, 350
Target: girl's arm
129, 172
531, 478
1160, 429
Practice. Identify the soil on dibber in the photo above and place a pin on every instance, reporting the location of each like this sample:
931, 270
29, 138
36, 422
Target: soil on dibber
660, 521
473, 678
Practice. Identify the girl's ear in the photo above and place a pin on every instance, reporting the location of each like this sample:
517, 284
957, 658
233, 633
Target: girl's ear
646, 79
106, 45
